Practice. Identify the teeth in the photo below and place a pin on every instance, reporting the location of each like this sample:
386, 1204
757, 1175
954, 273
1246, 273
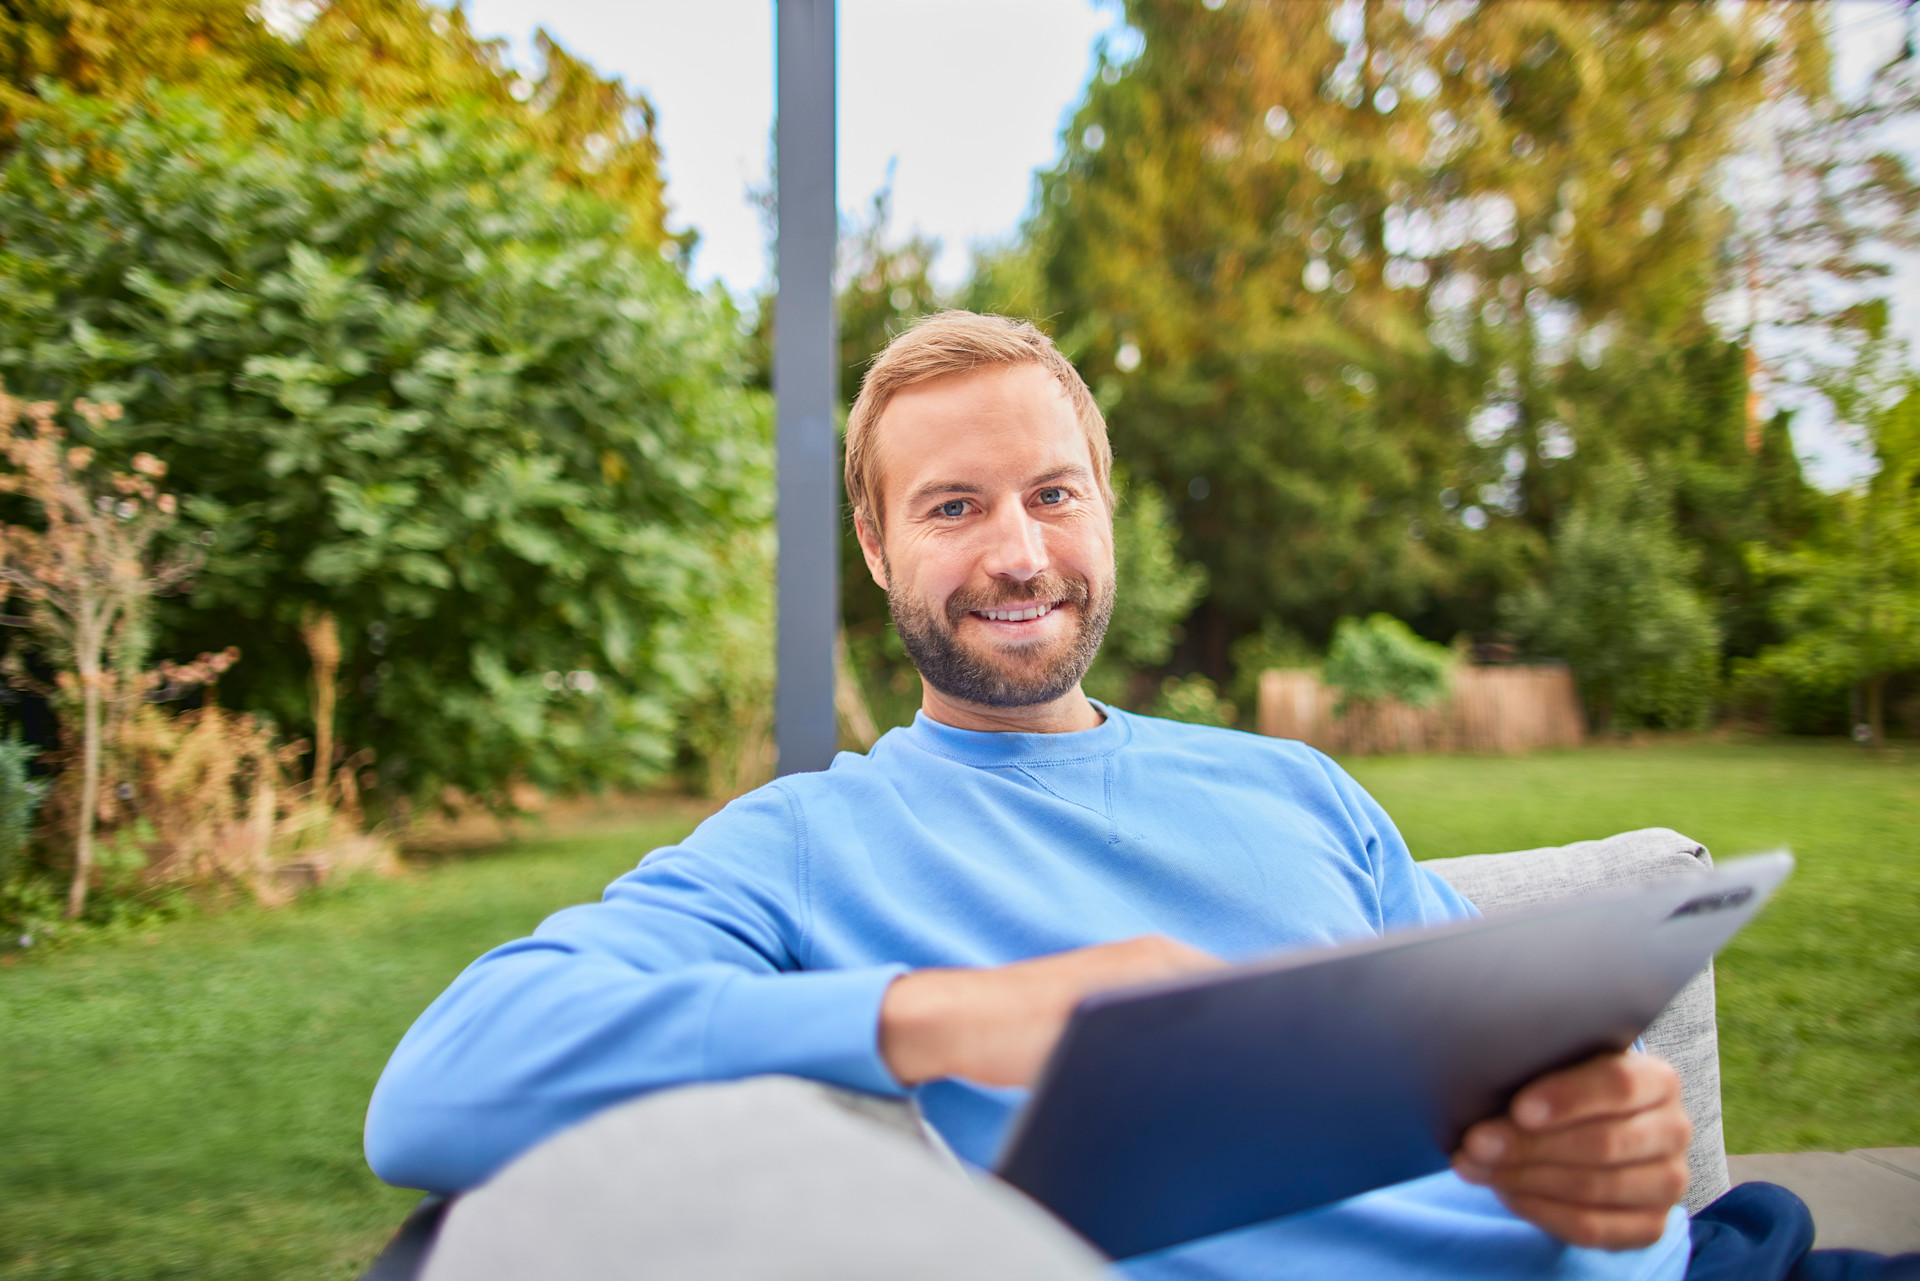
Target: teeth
1016, 615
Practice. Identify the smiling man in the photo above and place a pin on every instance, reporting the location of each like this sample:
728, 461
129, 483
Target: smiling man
923, 918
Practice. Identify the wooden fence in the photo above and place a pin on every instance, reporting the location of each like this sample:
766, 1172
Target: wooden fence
1488, 709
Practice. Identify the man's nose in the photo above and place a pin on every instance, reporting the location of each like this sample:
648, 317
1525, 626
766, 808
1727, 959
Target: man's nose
1017, 547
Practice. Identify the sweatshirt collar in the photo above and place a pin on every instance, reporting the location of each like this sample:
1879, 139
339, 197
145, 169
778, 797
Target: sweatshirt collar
987, 749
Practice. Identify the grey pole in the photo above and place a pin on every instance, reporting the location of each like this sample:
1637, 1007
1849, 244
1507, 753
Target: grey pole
805, 378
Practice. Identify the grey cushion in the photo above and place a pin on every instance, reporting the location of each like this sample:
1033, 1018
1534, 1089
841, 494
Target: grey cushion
769, 1179
1685, 1034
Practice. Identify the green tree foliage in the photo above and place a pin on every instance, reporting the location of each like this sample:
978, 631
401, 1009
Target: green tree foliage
1851, 606
1154, 591
387, 59
1371, 290
1381, 660
407, 375
1618, 603
1677, 414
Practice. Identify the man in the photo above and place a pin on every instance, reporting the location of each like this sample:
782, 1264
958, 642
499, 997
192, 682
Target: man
924, 917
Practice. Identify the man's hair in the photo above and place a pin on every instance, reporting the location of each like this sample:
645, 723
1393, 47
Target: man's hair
959, 342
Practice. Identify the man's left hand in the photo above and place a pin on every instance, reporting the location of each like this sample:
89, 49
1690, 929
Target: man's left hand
1595, 1154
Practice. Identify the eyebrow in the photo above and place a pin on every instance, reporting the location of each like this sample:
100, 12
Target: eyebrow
933, 488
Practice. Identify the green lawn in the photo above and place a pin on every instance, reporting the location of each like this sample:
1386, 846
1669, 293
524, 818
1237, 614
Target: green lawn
1820, 998
191, 1107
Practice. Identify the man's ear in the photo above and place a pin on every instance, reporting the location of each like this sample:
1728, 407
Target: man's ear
870, 548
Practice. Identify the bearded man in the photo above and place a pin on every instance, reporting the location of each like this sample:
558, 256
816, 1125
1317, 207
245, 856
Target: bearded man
923, 918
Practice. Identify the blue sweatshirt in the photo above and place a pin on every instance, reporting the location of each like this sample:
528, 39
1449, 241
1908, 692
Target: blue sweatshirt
763, 944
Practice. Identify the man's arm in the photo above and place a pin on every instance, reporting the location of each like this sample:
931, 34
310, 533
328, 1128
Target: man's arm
1595, 1155
997, 1026
688, 970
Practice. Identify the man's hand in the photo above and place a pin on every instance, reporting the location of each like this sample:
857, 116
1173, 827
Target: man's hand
1595, 1155
997, 1026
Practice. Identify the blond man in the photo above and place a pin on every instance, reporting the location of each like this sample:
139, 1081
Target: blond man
924, 917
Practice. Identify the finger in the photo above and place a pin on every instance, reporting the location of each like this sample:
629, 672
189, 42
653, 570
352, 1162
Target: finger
1649, 1185
1653, 1134
1601, 1229
1606, 1085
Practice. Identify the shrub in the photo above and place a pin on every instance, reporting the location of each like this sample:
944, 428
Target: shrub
1193, 699
1154, 589
1382, 660
413, 380
1618, 604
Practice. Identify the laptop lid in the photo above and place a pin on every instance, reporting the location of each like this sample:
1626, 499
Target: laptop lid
1198, 1105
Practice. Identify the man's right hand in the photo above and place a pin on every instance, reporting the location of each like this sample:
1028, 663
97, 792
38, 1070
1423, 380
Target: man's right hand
997, 1026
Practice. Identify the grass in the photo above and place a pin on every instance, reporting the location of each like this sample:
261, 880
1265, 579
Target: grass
1819, 999
189, 1105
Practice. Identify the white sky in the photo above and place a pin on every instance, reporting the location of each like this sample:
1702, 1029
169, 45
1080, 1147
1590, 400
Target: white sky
964, 97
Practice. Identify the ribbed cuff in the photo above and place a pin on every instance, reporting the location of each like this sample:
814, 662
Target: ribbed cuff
821, 1024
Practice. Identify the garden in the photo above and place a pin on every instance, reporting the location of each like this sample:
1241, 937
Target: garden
374, 466
186, 1101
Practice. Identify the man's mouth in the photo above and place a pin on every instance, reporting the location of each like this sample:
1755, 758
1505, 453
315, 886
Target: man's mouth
1024, 614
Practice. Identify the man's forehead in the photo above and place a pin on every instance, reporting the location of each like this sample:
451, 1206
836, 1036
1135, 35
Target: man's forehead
1016, 416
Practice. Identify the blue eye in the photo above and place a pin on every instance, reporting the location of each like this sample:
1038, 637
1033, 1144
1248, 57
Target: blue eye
955, 507
1053, 494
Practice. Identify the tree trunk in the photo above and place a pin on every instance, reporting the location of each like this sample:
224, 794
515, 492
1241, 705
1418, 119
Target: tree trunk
323, 643
1877, 711
89, 665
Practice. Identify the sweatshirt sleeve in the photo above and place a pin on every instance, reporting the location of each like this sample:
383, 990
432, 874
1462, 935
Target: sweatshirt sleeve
1410, 895
688, 969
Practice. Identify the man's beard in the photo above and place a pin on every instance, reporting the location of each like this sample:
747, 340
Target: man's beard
973, 676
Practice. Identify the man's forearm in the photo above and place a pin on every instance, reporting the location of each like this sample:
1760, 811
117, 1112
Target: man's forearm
998, 1025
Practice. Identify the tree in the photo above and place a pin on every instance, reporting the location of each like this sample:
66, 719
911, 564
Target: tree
409, 377
86, 576
1851, 606
1618, 603
388, 58
1822, 197
1342, 271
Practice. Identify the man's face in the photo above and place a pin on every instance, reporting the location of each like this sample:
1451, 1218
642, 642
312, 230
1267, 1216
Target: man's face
997, 550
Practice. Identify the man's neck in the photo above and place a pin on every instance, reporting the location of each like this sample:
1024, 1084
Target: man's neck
1071, 711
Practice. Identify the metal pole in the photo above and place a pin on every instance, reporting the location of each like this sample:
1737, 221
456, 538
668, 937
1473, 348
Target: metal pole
805, 378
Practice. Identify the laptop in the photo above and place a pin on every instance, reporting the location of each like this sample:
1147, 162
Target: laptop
1197, 1105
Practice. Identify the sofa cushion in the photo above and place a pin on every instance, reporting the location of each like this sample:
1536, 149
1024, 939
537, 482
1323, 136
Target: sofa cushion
768, 1179
1685, 1034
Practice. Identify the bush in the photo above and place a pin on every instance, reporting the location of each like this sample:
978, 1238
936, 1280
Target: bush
1381, 660
1193, 699
404, 375
1154, 589
1618, 604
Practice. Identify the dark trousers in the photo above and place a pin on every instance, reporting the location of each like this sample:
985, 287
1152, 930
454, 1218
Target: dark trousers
1762, 1232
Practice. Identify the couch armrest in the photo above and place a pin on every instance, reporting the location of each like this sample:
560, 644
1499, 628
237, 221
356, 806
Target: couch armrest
1685, 1034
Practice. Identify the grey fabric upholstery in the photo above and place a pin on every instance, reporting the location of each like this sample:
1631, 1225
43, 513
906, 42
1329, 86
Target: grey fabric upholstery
1685, 1034
770, 1179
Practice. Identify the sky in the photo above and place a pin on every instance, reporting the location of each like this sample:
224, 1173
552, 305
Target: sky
963, 97
962, 100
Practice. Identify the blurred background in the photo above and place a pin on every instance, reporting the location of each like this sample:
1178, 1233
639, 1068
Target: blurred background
390, 462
